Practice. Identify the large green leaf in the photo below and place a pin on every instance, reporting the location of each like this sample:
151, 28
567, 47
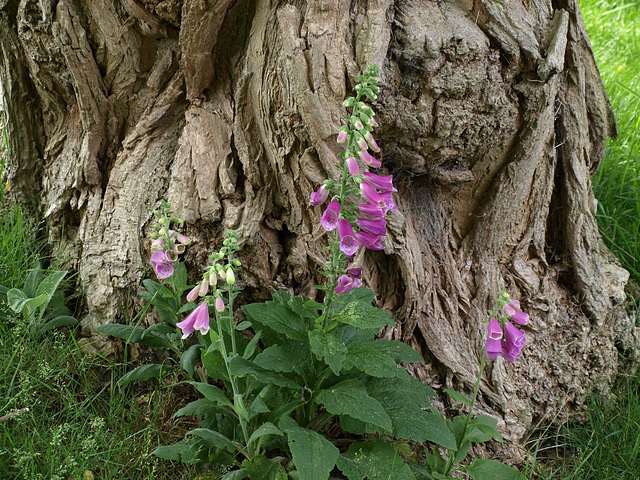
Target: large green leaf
279, 318
350, 397
277, 358
50, 283
376, 460
266, 428
184, 451
61, 321
405, 399
214, 364
481, 469
356, 310
212, 393
143, 372
242, 367
200, 407
131, 334
189, 358
313, 455
298, 304
373, 359
328, 347
213, 438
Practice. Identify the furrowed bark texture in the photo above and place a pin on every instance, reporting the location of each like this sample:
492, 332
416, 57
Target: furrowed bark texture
492, 117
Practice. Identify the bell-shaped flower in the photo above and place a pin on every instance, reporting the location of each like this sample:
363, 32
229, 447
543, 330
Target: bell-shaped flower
371, 195
369, 159
348, 243
513, 336
157, 244
197, 320
362, 143
358, 124
371, 210
346, 283
512, 311
380, 182
319, 196
162, 264
494, 339
376, 227
352, 166
387, 197
342, 136
331, 216
355, 272
372, 242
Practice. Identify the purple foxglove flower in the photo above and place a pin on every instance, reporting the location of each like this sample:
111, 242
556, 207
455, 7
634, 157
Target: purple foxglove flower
373, 122
157, 244
372, 143
369, 160
513, 337
348, 243
197, 320
371, 195
372, 242
331, 216
358, 125
355, 272
172, 254
511, 310
342, 136
319, 196
219, 304
183, 239
162, 264
371, 210
382, 183
387, 197
374, 227
362, 143
494, 339
346, 283
352, 165
193, 294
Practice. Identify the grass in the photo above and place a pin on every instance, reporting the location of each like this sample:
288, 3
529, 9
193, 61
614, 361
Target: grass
605, 445
614, 30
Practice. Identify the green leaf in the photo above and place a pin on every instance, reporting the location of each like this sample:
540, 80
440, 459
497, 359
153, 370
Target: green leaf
350, 397
251, 346
16, 299
263, 468
32, 281
183, 451
242, 367
356, 310
279, 318
128, 333
179, 277
277, 358
143, 372
243, 325
405, 400
189, 358
49, 285
328, 347
212, 393
266, 428
481, 469
240, 474
373, 359
213, 438
31, 306
376, 460
214, 365
200, 407
60, 321
313, 455
457, 396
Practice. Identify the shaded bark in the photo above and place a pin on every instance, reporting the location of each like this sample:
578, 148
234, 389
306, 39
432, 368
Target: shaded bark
492, 117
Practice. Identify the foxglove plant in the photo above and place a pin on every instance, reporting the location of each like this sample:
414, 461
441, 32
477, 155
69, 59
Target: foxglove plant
359, 198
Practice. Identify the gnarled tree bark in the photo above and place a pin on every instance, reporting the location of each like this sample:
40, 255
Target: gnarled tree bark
492, 117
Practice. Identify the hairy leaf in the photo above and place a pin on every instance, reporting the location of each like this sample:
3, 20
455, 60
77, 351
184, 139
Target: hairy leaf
328, 347
313, 455
376, 460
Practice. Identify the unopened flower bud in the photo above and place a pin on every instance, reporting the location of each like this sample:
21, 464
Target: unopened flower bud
193, 294
219, 304
204, 288
213, 279
231, 277
222, 273
342, 136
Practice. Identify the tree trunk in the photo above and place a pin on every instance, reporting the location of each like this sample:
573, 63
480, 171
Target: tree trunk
492, 117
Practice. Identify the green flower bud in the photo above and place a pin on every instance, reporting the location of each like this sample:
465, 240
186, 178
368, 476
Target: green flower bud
231, 277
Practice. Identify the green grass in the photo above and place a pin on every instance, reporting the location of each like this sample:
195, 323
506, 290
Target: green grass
614, 30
